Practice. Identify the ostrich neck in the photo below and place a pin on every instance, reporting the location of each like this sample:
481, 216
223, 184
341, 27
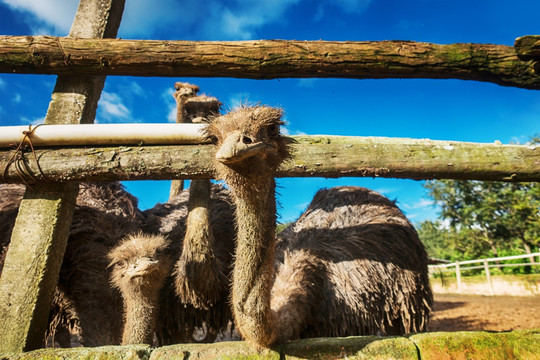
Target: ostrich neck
141, 309
180, 111
253, 270
199, 236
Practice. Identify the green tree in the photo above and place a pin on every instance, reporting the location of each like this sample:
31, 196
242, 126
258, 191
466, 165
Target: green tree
488, 216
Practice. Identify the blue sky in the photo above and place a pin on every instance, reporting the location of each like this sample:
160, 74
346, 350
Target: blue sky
434, 109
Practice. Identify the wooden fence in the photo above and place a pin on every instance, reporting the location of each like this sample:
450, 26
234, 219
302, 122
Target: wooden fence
84, 58
457, 267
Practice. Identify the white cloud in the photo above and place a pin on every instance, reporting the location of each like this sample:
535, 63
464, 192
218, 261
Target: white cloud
111, 106
171, 116
36, 121
235, 100
385, 190
2, 84
51, 17
170, 103
290, 132
17, 98
420, 204
136, 89
243, 20
210, 20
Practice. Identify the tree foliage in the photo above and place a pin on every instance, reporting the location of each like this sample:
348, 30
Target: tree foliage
483, 218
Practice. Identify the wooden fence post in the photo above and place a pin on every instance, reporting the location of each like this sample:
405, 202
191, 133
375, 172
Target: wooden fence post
458, 277
41, 230
488, 276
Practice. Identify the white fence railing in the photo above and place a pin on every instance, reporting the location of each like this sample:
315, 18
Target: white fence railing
457, 267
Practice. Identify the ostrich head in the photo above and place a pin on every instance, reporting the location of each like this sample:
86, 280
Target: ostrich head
200, 108
184, 90
249, 144
140, 264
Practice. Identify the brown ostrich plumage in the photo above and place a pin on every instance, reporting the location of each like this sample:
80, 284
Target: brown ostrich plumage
197, 294
86, 310
351, 265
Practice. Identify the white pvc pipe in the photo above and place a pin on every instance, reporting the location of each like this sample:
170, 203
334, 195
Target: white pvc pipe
104, 134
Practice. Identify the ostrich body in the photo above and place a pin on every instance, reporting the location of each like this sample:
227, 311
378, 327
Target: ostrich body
86, 309
359, 247
140, 266
336, 271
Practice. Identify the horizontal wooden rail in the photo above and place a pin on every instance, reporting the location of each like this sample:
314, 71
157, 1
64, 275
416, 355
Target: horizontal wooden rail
102, 134
313, 156
497, 259
267, 59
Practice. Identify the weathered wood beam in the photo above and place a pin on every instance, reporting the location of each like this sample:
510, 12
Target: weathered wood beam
40, 234
313, 156
528, 48
267, 59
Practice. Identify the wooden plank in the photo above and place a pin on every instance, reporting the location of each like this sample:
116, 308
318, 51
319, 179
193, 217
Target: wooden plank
32, 264
528, 48
267, 59
39, 238
312, 156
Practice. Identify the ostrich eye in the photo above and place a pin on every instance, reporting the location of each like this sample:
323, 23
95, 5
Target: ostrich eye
272, 130
121, 264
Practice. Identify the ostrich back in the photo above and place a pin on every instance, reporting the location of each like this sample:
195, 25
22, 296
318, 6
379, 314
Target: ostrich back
364, 266
86, 309
179, 321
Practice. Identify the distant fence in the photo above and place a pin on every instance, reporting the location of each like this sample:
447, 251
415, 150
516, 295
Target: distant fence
457, 267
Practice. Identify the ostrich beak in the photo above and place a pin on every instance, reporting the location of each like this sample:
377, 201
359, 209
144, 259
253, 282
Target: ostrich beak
236, 148
142, 267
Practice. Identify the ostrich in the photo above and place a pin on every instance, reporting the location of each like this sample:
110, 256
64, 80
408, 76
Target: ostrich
199, 279
200, 276
86, 309
197, 292
140, 265
182, 93
341, 276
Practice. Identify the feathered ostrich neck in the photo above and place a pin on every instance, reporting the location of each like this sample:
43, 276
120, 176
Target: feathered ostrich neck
141, 310
197, 274
253, 270
249, 151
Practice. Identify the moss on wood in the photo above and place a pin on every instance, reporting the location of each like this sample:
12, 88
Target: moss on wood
520, 344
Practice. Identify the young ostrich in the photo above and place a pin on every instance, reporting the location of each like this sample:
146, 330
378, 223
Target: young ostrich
340, 277
140, 265
86, 309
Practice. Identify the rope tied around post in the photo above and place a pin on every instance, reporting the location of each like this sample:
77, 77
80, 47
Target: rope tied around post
18, 158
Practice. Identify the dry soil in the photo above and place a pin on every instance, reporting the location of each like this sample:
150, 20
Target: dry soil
476, 312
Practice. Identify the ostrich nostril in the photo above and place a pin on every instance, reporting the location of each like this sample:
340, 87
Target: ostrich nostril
246, 140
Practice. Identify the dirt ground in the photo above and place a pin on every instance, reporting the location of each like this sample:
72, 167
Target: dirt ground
476, 312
